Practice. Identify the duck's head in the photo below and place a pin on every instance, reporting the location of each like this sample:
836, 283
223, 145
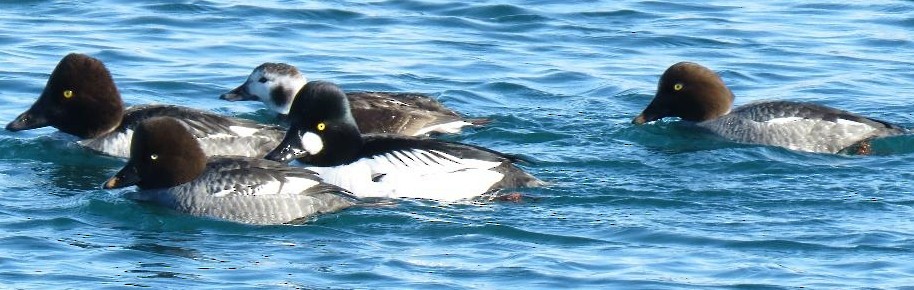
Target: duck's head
163, 153
80, 99
274, 84
322, 131
689, 91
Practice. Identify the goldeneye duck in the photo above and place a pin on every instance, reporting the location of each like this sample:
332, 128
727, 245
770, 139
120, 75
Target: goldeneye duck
695, 93
324, 136
171, 170
276, 84
81, 99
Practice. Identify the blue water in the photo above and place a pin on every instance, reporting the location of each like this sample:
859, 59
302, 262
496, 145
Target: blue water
656, 206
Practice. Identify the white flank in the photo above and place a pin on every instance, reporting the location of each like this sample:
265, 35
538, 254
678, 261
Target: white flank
414, 174
114, 144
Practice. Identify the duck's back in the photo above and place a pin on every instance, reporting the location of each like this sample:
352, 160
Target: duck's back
403, 114
217, 135
798, 126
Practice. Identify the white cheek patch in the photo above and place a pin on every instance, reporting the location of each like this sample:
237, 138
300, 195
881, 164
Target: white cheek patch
258, 89
312, 143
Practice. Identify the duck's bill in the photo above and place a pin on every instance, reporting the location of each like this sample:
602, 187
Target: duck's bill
650, 114
27, 121
238, 94
128, 176
644, 118
288, 150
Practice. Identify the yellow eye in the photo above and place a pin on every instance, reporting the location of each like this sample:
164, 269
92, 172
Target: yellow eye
321, 126
154, 156
68, 94
677, 86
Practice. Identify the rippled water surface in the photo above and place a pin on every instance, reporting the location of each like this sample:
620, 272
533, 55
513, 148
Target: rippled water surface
653, 206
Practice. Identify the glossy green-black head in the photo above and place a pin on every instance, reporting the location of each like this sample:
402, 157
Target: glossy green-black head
80, 99
322, 131
689, 91
162, 154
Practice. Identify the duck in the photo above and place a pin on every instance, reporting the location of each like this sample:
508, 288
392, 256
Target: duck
323, 137
81, 99
696, 94
411, 114
171, 170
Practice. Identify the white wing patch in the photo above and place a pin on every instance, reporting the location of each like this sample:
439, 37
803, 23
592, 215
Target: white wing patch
294, 185
289, 185
846, 122
785, 120
450, 128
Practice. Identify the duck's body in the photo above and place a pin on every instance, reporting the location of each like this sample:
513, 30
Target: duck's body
696, 94
172, 173
81, 99
411, 114
799, 126
397, 166
218, 135
383, 165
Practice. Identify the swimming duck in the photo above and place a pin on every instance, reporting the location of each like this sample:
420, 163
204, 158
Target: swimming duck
323, 135
276, 84
170, 169
81, 99
696, 94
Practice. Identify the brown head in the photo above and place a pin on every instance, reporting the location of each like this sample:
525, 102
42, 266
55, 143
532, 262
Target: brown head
162, 154
80, 99
689, 91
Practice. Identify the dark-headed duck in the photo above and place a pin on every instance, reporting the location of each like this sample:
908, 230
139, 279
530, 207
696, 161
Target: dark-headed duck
81, 99
324, 136
695, 93
171, 170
